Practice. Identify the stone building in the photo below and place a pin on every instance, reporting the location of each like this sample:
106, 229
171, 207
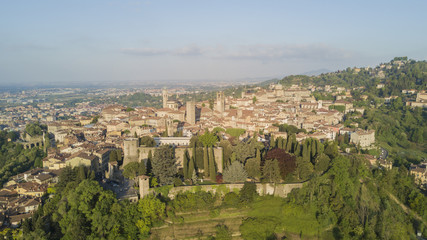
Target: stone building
363, 138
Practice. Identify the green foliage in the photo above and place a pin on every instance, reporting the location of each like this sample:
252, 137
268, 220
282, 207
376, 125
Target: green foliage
205, 162
134, 169
129, 109
304, 168
248, 193
253, 168
81, 209
245, 150
147, 141
337, 107
164, 164
290, 129
222, 232
231, 199
235, 173
217, 130
322, 163
139, 99
35, 129
258, 228
235, 132
208, 139
212, 166
198, 200
14, 159
271, 171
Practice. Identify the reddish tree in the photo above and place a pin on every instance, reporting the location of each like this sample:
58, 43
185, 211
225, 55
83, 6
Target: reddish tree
219, 178
287, 162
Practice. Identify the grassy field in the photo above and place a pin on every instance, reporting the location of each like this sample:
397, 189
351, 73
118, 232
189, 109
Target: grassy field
293, 222
200, 224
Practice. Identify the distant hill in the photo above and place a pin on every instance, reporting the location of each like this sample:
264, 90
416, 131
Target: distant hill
317, 72
396, 75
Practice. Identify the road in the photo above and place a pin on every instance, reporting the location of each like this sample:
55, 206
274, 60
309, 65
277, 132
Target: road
383, 154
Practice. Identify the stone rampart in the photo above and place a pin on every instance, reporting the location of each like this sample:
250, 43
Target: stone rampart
279, 190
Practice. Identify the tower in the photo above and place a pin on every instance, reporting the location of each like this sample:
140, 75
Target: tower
169, 127
130, 150
144, 186
191, 112
165, 98
220, 102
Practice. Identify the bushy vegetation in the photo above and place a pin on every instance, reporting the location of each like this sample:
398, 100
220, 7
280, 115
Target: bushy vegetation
82, 209
14, 159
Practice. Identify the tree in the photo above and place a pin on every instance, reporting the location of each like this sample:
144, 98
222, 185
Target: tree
205, 162
149, 165
134, 169
272, 142
164, 164
322, 163
212, 167
148, 141
248, 193
235, 132
271, 171
253, 167
331, 149
208, 139
287, 162
151, 210
258, 228
222, 232
186, 161
235, 173
304, 168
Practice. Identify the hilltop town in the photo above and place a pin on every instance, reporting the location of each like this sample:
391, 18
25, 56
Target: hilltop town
110, 140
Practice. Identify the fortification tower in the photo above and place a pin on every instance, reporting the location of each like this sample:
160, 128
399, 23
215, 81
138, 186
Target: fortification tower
165, 98
191, 112
130, 150
169, 127
220, 102
144, 186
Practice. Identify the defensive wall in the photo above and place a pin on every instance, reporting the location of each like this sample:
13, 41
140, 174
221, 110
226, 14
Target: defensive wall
279, 190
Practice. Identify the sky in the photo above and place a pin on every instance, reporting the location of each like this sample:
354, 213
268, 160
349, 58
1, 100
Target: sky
116, 41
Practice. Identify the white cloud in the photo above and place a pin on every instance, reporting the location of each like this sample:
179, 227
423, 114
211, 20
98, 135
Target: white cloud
262, 52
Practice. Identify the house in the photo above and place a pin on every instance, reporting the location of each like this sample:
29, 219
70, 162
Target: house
420, 173
363, 138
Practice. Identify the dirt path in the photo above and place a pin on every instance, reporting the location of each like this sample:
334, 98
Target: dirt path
406, 209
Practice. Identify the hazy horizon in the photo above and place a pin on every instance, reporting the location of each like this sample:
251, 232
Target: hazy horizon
113, 41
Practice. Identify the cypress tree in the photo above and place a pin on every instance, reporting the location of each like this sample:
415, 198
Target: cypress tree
191, 169
288, 144
205, 162
294, 143
258, 155
306, 151
185, 164
297, 149
149, 159
280, 142
272, 142
313, 150
212, 169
